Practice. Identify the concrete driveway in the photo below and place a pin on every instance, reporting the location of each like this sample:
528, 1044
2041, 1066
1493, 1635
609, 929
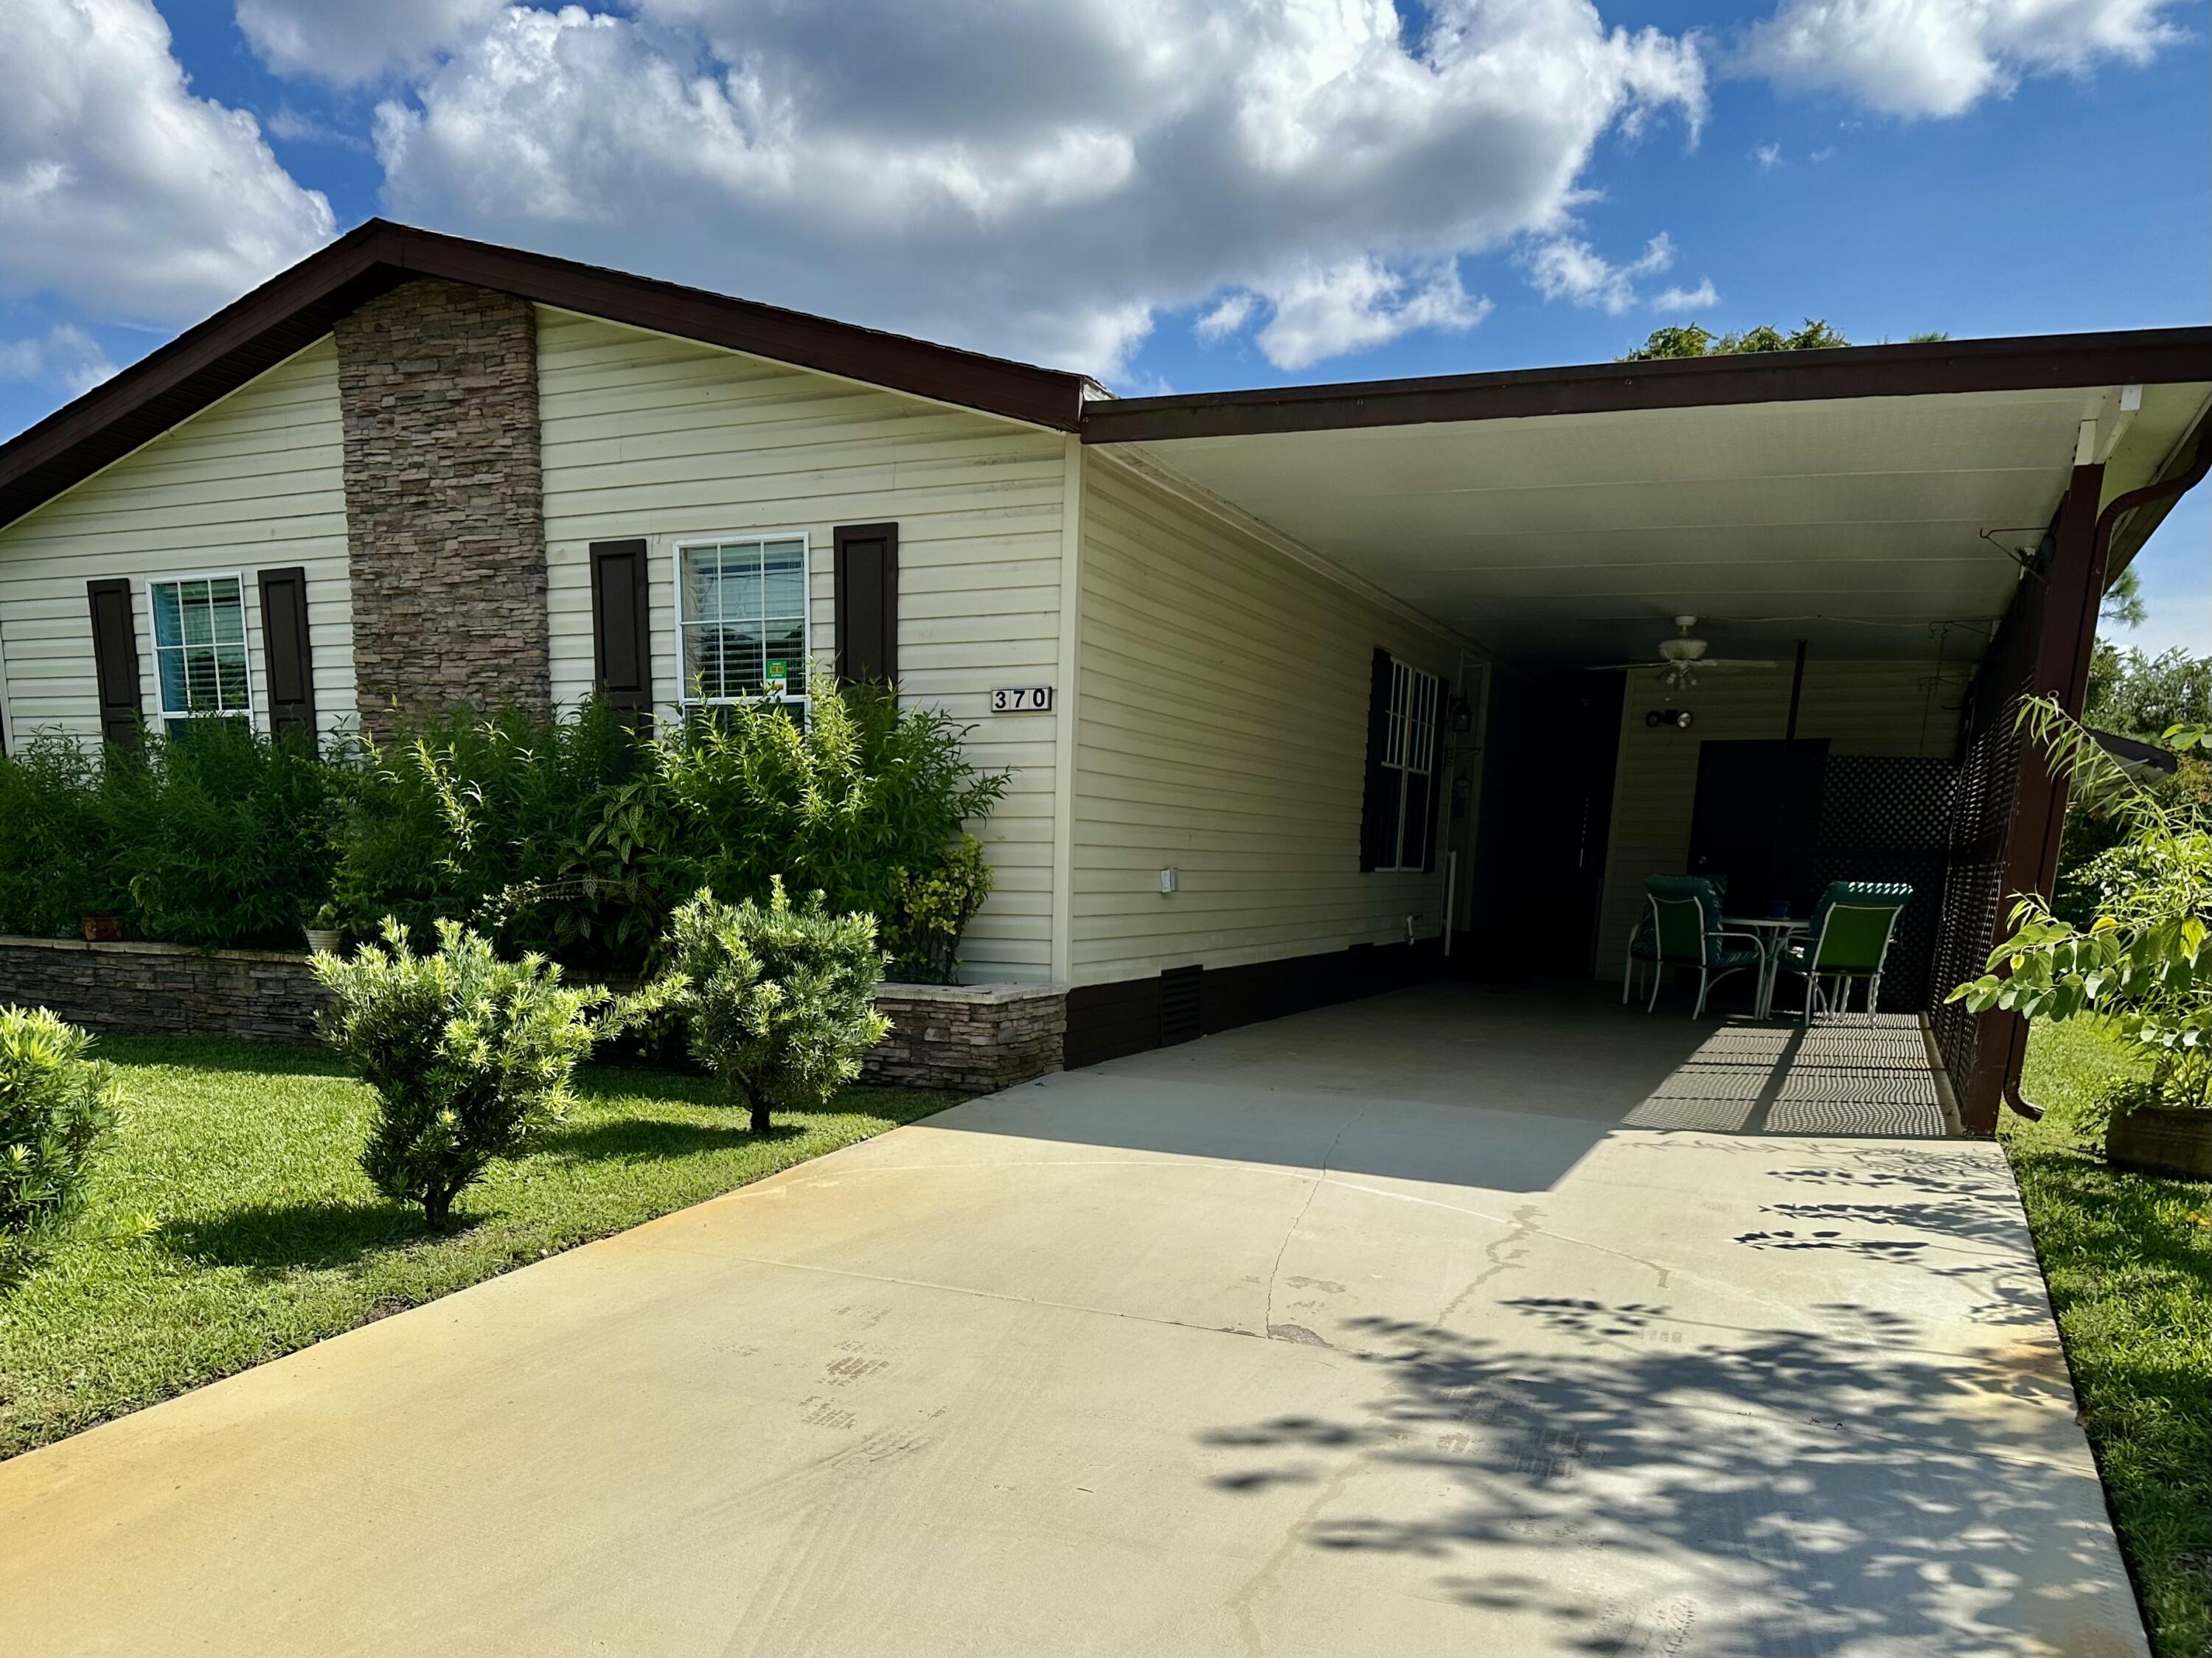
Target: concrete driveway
1418, 1325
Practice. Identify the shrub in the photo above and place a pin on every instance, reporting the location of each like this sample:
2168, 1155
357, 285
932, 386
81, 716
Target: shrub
931, 910
216, 837
53, 864
777, 1000
55, 1106
469, 1056
577, 837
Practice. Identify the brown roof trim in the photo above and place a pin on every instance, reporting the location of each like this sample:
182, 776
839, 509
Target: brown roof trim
297, 308
2029, 363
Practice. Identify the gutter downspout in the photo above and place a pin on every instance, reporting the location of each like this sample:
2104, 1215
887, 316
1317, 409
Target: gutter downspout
2108, 524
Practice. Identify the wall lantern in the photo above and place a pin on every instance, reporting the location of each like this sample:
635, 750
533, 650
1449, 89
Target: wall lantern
1678, 718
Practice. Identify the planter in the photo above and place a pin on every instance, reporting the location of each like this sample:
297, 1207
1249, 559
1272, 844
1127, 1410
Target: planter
2172, 1140
101, 928
322, 940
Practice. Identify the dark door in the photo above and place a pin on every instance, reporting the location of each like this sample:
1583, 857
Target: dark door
1757, 820
1546, 815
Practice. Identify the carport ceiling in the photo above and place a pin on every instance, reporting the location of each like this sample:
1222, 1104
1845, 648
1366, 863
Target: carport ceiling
1861, 524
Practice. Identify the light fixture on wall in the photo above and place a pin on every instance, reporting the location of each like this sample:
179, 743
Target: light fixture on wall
1678, 719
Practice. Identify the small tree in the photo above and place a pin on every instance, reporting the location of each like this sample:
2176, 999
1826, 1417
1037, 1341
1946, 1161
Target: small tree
777, 1000
55, 1107
2144, 960
469, 1056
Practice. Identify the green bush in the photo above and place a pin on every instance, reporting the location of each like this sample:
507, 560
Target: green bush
216, 837
469, 1056
578, 838
53, 861
777, 1000
55, 1107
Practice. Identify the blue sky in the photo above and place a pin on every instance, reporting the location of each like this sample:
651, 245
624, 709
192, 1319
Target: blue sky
2011, 181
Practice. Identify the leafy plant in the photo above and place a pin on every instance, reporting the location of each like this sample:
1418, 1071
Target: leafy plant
1688, 340
931, 910
2142, 961
578, 837
215, 836
777, 1000
55, 1105
469, 1056
53, 862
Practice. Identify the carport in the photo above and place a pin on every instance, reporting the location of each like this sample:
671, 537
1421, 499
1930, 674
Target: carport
1910, 537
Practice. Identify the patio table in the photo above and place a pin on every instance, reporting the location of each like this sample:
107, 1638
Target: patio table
1772, 932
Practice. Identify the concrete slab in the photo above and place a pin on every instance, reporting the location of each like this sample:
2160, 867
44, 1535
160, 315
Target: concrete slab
1295, 1340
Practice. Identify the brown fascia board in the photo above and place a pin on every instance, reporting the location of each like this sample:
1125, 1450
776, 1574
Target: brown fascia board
292, 310
2154, 355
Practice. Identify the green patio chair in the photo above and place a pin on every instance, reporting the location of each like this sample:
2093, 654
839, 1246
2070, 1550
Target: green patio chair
1681, 927
1848, 939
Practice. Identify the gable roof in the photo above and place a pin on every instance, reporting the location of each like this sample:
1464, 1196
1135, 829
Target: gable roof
294, 309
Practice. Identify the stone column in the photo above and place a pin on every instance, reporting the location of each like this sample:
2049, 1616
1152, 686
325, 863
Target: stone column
445, 500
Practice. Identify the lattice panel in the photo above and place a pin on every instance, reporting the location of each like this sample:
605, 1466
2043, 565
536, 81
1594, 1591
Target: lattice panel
1887, 817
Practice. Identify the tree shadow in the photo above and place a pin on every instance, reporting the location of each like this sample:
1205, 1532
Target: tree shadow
1788, 1495
644, 1139
275, 1238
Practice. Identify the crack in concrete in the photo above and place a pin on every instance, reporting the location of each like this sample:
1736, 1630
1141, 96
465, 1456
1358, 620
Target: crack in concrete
1276, 1272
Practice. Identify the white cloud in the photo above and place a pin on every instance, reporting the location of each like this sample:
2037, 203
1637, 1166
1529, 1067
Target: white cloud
1361, 304
1225, 319
1564, 268
1768, 156
351, 41
1917, 58
121, 191
1671, 301
1037, 180
64, 355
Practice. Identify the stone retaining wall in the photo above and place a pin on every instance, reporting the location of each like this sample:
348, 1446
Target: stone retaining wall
269, 995
977, 1037
972, 1037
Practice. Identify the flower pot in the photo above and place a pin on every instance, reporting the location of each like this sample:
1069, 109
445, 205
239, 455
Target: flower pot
2173, 1140
101, 928
322, 940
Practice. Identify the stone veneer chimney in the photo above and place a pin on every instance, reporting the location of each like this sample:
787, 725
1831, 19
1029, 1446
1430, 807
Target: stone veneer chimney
445, 501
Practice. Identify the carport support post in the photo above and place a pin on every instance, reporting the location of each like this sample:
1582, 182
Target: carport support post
2073, 592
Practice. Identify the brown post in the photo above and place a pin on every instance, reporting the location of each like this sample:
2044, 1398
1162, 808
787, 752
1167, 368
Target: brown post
2073, 591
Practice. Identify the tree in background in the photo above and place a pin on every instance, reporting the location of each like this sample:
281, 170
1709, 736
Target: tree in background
1691, 341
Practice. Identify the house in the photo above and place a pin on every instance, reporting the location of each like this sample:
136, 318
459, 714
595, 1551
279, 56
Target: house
1297, 688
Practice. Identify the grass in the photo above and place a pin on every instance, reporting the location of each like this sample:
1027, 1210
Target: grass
2129, 1258
265, 1236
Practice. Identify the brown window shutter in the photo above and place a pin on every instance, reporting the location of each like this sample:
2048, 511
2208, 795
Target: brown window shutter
867, 603
621, 636
115, 660
287, 659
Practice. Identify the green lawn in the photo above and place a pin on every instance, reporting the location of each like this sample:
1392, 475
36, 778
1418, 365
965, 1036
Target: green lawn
2130, 1262
265, 1236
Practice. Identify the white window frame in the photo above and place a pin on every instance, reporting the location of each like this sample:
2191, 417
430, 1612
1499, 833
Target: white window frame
1411, 731
163, 713
684, 545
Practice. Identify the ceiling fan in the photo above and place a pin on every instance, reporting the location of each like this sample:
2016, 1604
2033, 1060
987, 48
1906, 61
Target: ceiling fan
1681, 657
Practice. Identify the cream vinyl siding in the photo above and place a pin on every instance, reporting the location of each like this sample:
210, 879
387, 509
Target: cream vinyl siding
253, 483
1861, 708
1221, 729
654, 437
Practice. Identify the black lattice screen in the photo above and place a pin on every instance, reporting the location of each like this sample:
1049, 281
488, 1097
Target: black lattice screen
1983, 793
1887, 817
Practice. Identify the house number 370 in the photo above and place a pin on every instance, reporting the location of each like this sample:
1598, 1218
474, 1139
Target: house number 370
1022, 699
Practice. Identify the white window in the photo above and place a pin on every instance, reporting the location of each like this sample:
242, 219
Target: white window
199, 647
1409, 766
741, 615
